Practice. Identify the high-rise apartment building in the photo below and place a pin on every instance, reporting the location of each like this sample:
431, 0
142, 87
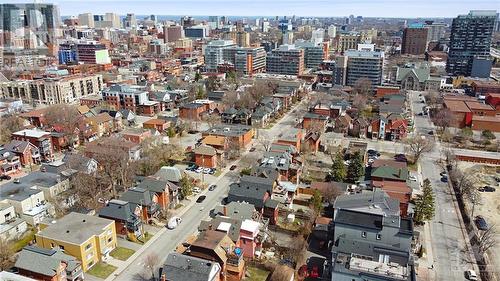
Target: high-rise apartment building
246, 60
332, 31
214, 54
173, 33
286, 60
415, 40
243, 39
348, 41
364, 65
29, 26
470, 39
214, 22
437, 30
317, 35
86, 19
90, 52
130, 21
314, 53
197, 31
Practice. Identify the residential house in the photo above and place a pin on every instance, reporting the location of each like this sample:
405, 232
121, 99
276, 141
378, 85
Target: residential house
170, 174
40, 139
312, 141
113, 145
206, 156
256, 191
29, 194
166, 192
261, 116
184, 267
417, 78
389, 172
291, 137
236, 135
216, 246
102, 124
35, 117
70, 163
343, 123
26, 153
192, 111
228, 116
358, 128
314, 122
397, 189
371, 240
220, 143
143, 202
48, 264
160, 125
136, 135
9, 163
11, 226
122, 212
89, 239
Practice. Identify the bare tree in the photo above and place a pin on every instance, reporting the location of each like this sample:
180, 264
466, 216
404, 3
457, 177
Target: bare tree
464, 182
360, 102
444, 119
89, 191
230, 98
150, 263
7, 257
265, 140
362, 86
418, 145
330, 193
281, 273
212, 119
487, 239
233, 149
65, 118
8, 125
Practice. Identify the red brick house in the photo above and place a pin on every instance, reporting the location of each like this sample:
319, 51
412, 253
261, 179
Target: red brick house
156, 124
314, 122
192, 111
40, 139
312, 141
26, 152
493, 99
136, 136
292, 137
205, 156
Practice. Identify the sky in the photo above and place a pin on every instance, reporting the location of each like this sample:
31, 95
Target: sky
317, 8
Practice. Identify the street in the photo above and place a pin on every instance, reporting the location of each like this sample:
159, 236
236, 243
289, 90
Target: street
165, 241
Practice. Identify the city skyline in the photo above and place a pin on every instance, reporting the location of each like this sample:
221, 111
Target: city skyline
317, 8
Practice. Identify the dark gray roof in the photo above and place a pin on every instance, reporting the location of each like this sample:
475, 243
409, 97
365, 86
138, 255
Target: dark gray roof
376, 201
236, 210
372, 249
358, 219
23, 189
137, 196
311, 115
44, 261
180, 267
153, 185
118, 210
234, 229
271, 203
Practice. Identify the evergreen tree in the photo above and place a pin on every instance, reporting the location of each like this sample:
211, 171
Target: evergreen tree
424, 205
186, 187
339, 170
317, 201
356, 168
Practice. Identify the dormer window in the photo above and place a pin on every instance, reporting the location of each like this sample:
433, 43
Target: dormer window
379, 236
363, 234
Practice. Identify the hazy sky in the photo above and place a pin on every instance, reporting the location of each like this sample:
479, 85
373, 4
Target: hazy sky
319, 8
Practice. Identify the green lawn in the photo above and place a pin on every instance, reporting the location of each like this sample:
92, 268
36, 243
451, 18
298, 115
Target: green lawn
101, 270
178, 206
21, 243
256, 274
121, 253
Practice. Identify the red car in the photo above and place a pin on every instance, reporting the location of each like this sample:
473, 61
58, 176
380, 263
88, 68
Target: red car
314, 272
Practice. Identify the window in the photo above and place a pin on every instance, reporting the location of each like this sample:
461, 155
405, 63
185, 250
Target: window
363, 234
61, 247
110, 239
88, 246
379, 236
90, 256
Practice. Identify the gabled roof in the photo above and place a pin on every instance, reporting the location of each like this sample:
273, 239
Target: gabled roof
44, 261
422, 74
153, 185
137, 196
228, 225
118, 210
184, 267
205, 150
390, 173
374, 202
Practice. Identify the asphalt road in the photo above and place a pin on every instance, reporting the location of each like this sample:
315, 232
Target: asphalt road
165, 241
450, 257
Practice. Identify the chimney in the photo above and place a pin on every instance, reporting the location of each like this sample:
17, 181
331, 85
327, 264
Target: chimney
224, 210
210, 227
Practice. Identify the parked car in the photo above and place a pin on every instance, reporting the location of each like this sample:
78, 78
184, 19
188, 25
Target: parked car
201, 199
481, 223
196, 189
173, 222
233, 167
443, 173
487, 188
212, 171
206, 170
192, 167
431, 133
212, 187
5, 177
444, 179
412, 178
252, 149
471, 275
199, 170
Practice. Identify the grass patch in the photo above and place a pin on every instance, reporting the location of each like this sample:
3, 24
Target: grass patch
256, 274
24, 241
178, 206
292, 226
121, 253
101, 270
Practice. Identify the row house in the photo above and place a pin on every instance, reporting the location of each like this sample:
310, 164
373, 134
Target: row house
388, 128
127, 222
40, 139
11, 225
314, 122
